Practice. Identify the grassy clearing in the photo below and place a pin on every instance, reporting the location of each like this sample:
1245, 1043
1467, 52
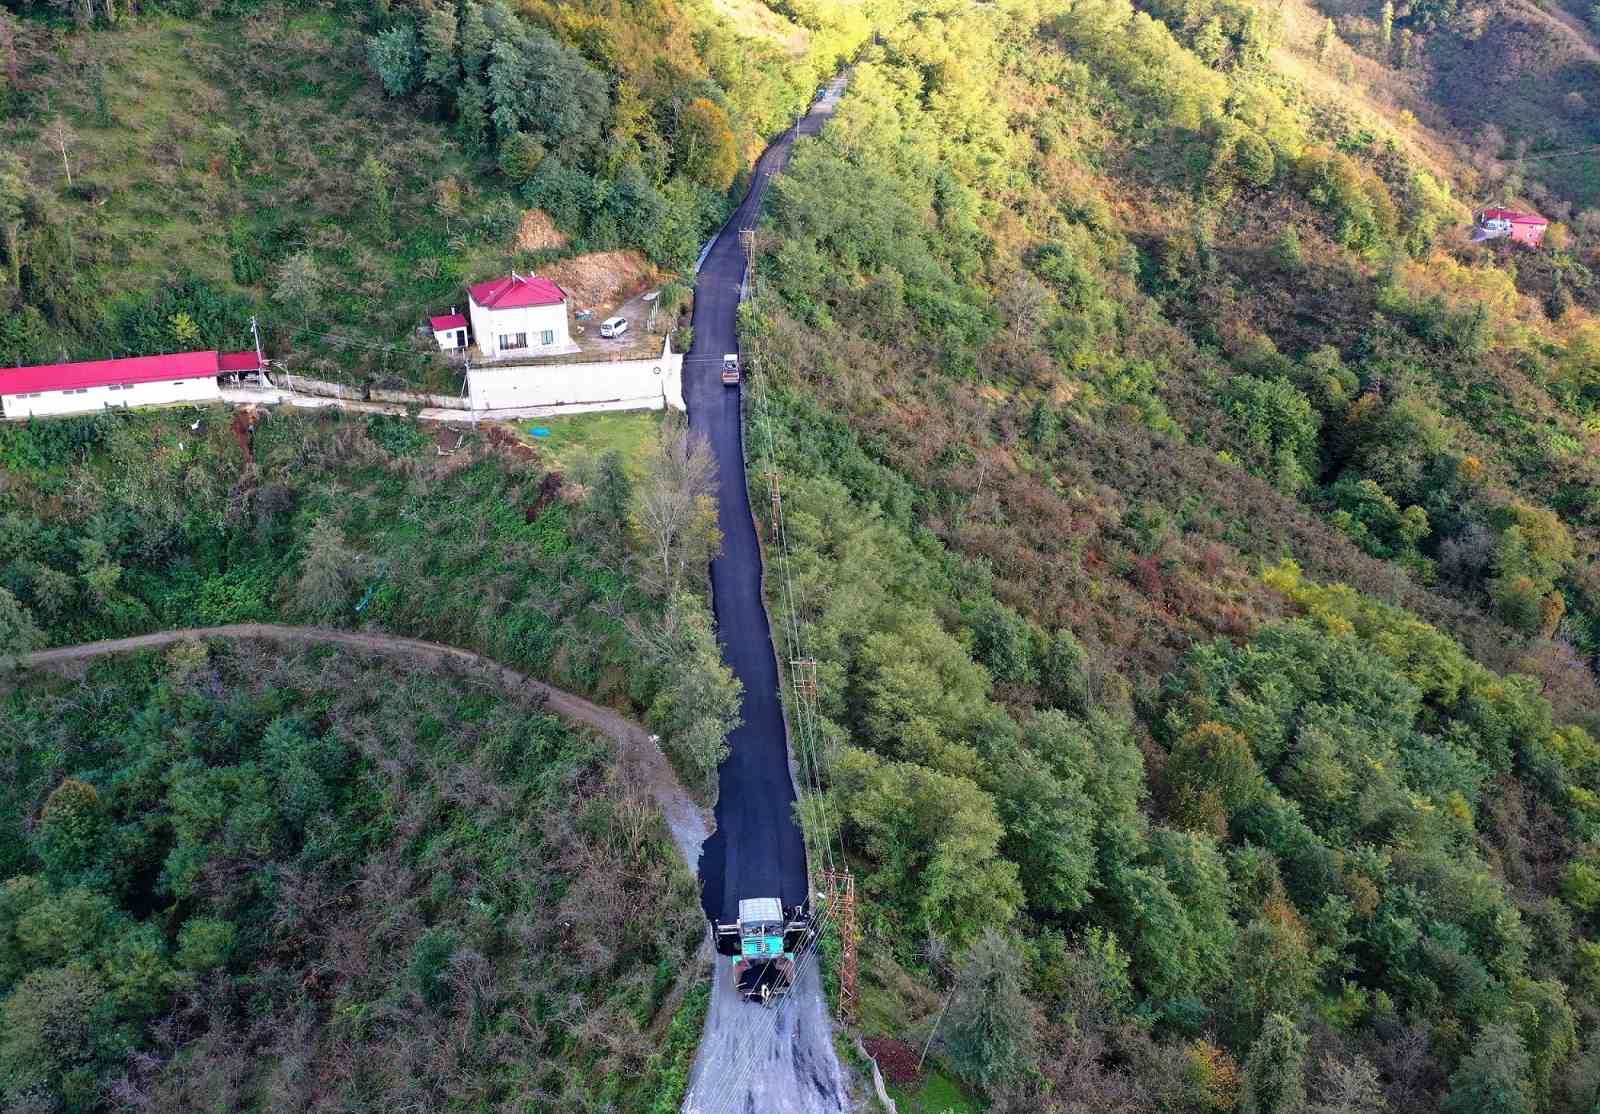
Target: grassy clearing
219, 149
938, 1094
577, 436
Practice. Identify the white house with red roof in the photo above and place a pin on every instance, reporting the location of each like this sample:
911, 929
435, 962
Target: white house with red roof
1513, 224
516, 316
449, 330
47, 390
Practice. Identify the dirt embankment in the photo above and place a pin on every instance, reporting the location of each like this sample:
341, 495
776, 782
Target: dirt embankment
603, 280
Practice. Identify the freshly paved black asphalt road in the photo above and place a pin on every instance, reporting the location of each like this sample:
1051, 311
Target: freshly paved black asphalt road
757, 850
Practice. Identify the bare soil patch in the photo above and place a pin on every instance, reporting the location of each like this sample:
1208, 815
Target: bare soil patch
601, 280
538, 232
897, 1059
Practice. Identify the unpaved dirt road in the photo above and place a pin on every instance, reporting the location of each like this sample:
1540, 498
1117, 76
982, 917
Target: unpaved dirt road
642, 759
759, 1060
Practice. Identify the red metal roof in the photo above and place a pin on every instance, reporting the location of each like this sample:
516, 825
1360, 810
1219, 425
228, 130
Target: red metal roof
515, 291
1515, 216
448, 321
99, 373
238, 361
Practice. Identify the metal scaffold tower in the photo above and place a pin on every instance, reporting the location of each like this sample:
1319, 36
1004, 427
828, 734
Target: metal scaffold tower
841, 889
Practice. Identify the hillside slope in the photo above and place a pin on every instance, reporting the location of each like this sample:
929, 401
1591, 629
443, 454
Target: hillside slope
343, 171
1182, 513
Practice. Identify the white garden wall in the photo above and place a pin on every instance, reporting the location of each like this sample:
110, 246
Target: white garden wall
602, 385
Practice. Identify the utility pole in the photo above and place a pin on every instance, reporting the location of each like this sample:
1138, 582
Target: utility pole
805, 679
255, 332
747, 241
777, 503
935, 1031
841, 888
261, 359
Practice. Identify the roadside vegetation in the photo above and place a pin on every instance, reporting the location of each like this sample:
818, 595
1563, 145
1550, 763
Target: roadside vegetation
120, 524
235, 877
1193, 534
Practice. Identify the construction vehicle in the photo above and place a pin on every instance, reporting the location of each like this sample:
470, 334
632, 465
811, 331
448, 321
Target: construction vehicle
763, 943
730, 369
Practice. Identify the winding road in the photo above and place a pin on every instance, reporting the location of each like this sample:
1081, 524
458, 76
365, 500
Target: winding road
635, 749
752, 1059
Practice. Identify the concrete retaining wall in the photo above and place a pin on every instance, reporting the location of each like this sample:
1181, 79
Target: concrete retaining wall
573, 388
405, 398
319, 386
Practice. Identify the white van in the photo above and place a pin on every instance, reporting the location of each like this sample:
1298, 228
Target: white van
613, 326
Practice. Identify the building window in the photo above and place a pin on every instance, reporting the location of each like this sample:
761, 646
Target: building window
547, 337
76, 391
513, 340
114, 387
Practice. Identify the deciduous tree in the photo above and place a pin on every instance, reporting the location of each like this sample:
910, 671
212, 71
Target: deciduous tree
1493, 1079
327, 573
19, 634
61, 138
396, 57
706, 150
676, 511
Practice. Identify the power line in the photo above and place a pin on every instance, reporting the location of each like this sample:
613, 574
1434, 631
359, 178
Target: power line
1592, 149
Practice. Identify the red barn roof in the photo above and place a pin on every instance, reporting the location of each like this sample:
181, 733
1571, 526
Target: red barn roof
448, 321
99, 373
1515, 216
238, 361
515, 291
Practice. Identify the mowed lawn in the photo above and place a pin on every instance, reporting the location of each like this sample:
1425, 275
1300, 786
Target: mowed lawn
568, 440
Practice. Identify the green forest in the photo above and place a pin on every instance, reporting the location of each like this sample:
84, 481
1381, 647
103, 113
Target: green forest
1195, 531
240, 879
120, 524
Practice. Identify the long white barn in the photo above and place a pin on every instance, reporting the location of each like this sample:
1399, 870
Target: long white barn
49, 390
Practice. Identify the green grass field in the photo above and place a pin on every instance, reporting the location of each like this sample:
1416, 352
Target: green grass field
576, 436
938, 1094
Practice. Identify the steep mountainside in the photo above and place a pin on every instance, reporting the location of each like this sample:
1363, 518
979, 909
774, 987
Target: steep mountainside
1191, 455
1194, 529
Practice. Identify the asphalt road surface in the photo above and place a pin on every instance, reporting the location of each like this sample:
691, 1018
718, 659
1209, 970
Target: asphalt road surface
757, 850
752, 1059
